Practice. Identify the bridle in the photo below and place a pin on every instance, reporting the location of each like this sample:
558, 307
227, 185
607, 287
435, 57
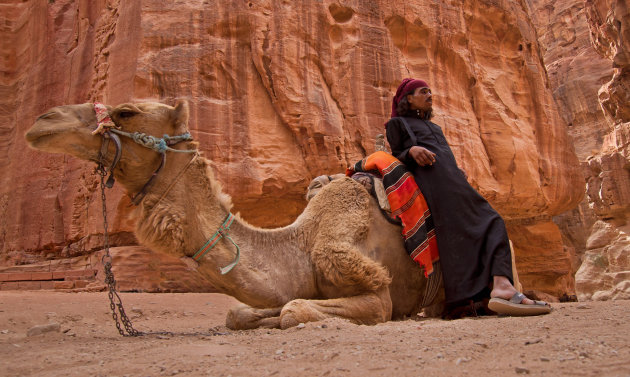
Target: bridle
110, 131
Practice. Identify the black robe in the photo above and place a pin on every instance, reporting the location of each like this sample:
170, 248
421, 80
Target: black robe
471, 236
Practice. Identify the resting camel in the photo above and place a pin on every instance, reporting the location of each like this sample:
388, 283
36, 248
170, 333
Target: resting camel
340, 258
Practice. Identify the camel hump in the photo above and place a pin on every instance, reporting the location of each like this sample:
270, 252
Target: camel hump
342, 197
341, 214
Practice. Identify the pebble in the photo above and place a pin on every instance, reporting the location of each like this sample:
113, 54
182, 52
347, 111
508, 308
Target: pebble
462, 360
583, 306
41, 329
4, 331
544, 359
301, 326
520, 370
137, 311
533, 341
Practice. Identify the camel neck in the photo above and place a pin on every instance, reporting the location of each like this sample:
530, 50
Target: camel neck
194, 209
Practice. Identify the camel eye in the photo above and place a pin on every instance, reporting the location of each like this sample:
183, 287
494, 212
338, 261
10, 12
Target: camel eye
126, 114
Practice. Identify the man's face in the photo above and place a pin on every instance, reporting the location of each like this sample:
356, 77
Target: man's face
421, 99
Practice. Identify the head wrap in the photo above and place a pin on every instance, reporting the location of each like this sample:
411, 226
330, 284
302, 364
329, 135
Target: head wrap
406, 87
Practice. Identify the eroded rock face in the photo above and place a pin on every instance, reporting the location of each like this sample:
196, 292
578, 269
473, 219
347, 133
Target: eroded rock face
605, 271
585, 54
576, 70
281, 92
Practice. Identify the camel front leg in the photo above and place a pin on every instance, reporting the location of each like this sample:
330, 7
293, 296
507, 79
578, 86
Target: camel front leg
244, 317
365, 309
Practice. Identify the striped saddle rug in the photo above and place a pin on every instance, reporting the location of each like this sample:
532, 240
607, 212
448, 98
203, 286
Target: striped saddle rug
406, 203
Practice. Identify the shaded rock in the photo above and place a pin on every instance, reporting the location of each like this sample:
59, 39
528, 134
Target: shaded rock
42, 329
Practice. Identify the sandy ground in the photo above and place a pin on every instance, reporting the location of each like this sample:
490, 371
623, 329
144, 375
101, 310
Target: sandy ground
576, 339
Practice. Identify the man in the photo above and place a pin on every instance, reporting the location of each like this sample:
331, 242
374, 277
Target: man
471, 236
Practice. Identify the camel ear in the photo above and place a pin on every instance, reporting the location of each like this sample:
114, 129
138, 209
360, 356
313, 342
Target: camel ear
180, 115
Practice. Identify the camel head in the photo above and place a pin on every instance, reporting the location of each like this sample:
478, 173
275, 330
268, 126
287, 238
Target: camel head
70, 130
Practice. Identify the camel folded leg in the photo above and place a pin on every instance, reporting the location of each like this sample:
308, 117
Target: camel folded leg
366, 309
244, 317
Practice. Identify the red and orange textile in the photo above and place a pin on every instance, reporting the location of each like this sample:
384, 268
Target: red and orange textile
407, 203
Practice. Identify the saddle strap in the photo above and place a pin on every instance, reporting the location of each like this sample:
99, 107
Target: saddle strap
433, 285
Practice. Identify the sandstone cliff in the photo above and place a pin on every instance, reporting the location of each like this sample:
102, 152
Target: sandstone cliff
605, 270
585, 55
281, 92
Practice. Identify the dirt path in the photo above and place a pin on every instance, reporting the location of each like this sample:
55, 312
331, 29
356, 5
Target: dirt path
577, 339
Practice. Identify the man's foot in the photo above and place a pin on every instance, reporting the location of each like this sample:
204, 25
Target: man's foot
502, 288
505, 299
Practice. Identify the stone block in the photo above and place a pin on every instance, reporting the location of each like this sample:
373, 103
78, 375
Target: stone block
28, 285
80, 273
59, 274
41, 275
47, 284
9, 286
63, 284
19, 276
81, 283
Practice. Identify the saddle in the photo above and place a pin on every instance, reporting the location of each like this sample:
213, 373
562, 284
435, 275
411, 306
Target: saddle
373, 183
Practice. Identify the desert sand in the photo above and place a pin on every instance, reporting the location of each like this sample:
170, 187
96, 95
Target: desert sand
73, 334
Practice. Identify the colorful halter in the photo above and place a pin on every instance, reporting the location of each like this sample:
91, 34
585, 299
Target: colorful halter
106, 127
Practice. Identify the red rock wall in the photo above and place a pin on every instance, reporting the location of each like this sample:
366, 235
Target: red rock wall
585, 54
281, 92
605, 271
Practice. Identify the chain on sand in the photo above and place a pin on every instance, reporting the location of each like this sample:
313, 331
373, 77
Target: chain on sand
115, 303
124, 326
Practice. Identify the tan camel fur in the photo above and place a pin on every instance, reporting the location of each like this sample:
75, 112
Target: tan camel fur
318, 183
340, 258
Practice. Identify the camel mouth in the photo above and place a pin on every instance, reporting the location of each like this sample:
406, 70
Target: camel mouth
54, 138
33, 136
36, 139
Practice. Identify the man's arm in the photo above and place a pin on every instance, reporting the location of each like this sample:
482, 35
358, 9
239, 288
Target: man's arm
396, 137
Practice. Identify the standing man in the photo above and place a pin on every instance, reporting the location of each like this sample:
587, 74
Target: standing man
471, 236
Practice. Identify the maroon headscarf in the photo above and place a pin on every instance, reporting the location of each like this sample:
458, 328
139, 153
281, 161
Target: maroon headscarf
406, 87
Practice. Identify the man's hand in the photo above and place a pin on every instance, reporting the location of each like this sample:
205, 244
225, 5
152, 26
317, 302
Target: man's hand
422, 156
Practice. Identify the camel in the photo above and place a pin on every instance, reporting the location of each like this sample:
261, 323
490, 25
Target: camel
340, 257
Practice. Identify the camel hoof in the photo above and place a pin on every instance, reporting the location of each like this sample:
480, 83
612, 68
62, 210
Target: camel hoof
231, 320
298, 311
241, 317
244, 317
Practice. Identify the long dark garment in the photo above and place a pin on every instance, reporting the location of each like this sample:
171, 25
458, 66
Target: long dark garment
471, 236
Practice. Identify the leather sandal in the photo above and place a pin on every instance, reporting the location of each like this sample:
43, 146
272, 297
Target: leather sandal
515, 307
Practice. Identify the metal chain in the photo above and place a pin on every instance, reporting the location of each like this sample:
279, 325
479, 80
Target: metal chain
114, 299
115, 303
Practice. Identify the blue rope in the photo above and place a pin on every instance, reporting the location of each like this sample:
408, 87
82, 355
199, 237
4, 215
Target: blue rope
157, 144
